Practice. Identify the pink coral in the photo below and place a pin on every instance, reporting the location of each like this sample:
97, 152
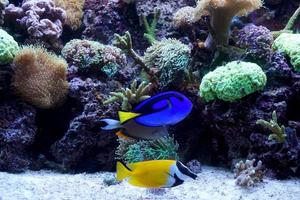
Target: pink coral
40, 17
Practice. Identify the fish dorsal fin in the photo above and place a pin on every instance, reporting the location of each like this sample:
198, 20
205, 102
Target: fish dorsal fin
125, 116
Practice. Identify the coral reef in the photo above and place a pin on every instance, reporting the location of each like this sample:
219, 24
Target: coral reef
40, 77
289, 45
8, 48
3, 4
41, 18
233, 81
170, 57
246, 174
130, 96
92, 57
135, 151
17, 133
221, 14
84, 146
74, 11
278, 132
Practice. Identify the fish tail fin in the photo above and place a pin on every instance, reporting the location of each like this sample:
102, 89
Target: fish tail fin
111, 124
122, 171
125, 116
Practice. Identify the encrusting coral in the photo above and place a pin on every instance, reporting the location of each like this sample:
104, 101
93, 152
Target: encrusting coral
40, 77
130, 96
233, 81
221, 14
289, 44
41, 18
184, 17
74, 10
8, 48
246, 174
278, 132
92, 57
132, 151
3, 4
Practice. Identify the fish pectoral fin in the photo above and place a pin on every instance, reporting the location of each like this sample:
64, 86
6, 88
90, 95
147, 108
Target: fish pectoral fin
122, 171
125, 116
122, 135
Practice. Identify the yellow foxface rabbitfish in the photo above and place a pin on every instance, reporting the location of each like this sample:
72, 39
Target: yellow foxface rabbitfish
154, 173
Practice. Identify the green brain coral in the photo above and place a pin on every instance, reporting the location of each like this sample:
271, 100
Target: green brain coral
170, 56
92, 56
8, 48
233, 81
289, 44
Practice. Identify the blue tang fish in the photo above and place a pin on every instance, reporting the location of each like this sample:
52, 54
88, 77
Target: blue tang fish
164, 109
150, 118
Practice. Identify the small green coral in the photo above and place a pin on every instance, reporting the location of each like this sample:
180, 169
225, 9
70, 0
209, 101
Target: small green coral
278, 132
130, 96
233, 81
88, 55
8, 48
135, 151
171, 57
289, 44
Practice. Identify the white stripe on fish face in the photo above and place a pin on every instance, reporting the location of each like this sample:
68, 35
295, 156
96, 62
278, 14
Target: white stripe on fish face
171, 180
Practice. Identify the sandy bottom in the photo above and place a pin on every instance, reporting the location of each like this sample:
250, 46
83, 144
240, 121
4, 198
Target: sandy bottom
212, 184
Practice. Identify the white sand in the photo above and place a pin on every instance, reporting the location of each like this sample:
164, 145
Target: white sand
212, 184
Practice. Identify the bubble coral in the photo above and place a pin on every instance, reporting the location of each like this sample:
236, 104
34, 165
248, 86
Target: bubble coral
74, 10
233, 81
171, 57
289, 44
40, 77
183, 17
41, 18
89, 55
221, 13
8, 47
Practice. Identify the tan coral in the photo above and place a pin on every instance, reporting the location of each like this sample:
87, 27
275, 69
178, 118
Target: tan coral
184, 17
40, 77
221, 13
74, 10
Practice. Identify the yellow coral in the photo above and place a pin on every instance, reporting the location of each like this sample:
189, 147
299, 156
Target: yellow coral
222, 12
40, 77
74, 9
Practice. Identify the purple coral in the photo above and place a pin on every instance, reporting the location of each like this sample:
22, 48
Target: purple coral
41, 18
17, 132
256, 40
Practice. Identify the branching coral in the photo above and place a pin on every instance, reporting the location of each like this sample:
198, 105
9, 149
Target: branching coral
151, 28
170, 57
40, 17
130, 96
8, 47
233, 81
221, 14
246, 174
125, 42
278, 132
3, 4
74, 10
289, 44
92, 56
136, 151
40, 77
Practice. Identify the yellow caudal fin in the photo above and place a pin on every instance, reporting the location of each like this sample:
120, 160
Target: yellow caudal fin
122, 171
125, 116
